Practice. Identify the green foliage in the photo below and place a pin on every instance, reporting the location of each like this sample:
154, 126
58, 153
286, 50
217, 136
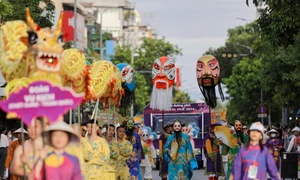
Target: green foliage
244, 88
281, 73
15, 10
280, 24
150, 50
141, 92
245, 35
180, 97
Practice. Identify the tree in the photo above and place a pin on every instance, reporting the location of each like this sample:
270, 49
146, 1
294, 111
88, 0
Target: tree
150, 50
244, 89
181, 97
15, 10
245, 35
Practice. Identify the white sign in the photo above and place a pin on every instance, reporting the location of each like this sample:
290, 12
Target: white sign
262, 115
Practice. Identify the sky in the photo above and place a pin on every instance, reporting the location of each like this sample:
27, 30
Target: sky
195, 26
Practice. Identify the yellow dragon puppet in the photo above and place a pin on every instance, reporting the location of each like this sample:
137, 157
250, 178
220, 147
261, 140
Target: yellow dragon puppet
28, 53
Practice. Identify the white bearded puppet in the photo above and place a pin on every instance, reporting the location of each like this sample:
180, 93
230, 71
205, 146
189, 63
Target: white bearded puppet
192, 131
149, 151
163, 76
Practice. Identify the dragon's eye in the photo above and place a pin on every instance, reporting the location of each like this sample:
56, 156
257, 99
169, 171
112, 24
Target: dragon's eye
32, 37
60, 39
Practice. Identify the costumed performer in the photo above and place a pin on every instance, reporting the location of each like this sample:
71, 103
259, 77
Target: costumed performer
192, 131
232, 152
214, 167
125, 152
56, 163
294, 145
137, 153
163, 168
149, 151
96, 154
114, 150
179, 154
274, 145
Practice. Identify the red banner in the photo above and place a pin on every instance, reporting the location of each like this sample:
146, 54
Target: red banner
177, 79
68, 28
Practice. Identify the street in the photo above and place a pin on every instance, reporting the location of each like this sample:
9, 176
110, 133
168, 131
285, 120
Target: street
198, 175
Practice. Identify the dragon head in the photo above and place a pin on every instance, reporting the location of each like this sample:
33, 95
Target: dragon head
45, 43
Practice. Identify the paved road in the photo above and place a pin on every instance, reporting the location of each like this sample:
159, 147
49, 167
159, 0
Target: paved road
198, 175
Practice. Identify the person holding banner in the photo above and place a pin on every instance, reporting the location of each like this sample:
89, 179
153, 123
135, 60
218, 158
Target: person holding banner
25, 156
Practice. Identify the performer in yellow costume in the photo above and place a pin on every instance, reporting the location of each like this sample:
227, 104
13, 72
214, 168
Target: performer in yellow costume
96, 154
125, 151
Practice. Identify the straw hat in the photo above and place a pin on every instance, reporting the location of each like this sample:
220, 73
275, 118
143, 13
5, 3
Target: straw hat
257, 126
20, 130
296, 129
273, 131
61, 126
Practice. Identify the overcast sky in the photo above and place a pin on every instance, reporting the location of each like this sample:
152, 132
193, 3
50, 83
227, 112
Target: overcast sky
195, 26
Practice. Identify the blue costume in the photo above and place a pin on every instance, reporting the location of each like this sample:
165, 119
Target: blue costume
180, 158
134, 161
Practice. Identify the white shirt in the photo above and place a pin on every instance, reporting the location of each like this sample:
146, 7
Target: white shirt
291, 145
4, 141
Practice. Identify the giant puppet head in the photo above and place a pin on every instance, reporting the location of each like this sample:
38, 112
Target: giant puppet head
208, 76
163, 76
128, 82
46, 43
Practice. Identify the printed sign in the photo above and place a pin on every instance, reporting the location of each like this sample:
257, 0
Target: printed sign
41, 98
108, 117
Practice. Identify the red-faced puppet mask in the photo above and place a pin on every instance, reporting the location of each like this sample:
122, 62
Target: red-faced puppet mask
163, 76
208, 76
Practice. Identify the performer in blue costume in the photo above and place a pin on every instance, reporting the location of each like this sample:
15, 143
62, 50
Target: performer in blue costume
179, 154
134, 161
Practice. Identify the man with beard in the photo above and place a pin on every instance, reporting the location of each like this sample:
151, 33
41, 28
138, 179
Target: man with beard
163, 168
163, 77
179, 154
137, 155
232, 152
208, 76
214, 167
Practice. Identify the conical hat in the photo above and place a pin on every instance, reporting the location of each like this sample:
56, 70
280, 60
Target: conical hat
20, 130
273, 131
61, 126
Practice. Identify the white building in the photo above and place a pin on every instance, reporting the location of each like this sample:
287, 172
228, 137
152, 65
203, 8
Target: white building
134, 31
110, 14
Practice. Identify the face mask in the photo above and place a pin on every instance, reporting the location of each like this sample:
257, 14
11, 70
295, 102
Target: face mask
273, 135
177, 126
145, 136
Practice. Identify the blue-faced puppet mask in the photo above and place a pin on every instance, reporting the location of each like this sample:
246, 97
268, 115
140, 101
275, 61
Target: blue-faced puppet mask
127, 73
